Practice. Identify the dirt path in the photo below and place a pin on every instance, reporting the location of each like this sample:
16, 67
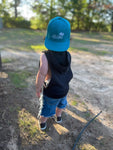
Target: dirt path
93, 82
90, 91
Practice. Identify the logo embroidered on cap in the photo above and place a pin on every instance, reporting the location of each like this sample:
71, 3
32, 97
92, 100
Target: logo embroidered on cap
59, 36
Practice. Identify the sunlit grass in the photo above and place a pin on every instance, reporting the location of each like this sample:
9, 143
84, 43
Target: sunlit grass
29, 128
38, 47
87, 147
74, 103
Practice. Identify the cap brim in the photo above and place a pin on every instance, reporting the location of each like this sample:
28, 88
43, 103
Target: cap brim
57, 46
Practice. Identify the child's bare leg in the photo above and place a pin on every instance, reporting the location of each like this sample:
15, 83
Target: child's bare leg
58, 112
43, 119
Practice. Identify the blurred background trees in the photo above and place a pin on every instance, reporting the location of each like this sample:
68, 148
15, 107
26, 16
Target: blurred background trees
84, 15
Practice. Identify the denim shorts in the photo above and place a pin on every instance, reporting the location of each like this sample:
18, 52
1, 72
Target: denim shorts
49, 105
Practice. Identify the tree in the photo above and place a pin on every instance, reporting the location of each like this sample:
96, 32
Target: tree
45, 9
14, 4
4, 9
109, 9
88, 18
63, 8
99, 14
77, 8
0, 63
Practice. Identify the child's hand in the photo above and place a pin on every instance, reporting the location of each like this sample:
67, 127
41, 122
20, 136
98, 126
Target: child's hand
38, 93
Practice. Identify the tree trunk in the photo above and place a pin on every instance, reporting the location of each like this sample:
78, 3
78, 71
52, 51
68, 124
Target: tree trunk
51, 9
112, 27
0, 63
112, 22
78, 23
15, 7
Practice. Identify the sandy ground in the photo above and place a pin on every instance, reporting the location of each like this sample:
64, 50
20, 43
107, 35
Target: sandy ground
93, 82
92, 89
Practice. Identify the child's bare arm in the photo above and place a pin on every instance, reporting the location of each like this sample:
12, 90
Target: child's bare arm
41, 74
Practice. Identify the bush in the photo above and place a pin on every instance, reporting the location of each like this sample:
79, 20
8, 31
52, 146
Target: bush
16, 22
99, 27
37, 23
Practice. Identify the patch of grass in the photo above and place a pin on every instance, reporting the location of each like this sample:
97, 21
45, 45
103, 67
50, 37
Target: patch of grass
84, 49
77, 96
87, 114
14, 109
87, 147
94, 36
7, 60
29, 128
84, 41
32, 40
101, 52
109, 61
89, 50
21, 39
74, 103
83, 103
38, 47
108, 36
19, 78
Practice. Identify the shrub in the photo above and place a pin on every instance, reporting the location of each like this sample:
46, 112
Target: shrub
16, 22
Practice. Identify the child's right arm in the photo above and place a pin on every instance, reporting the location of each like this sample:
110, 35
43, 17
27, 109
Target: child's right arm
41, 74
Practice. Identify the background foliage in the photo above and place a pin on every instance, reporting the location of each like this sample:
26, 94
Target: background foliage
84, 15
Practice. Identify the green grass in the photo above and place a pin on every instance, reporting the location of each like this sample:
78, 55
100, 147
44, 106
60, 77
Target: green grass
87, 42
89, 50
38, 47
74, 103
21, 39
32, 40
87, 115
19, 78
7, 60
94, 36
29, 128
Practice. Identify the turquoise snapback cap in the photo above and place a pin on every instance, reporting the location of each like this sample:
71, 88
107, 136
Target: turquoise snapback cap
58, 35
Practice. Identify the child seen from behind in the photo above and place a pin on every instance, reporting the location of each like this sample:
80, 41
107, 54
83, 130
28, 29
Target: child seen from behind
55, 71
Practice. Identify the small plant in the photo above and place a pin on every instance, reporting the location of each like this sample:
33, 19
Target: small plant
87, 114
83, 103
